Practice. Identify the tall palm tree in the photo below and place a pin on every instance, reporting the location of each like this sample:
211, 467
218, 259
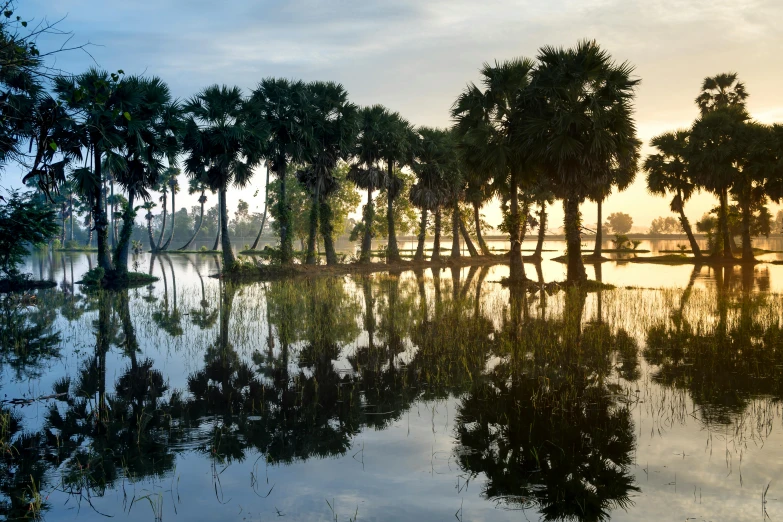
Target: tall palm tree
196, 185
397, 150
579, 124
173, 184
621, 175
104, 104
719, 93
282, 107
148, 206
334, 123
221, 141
366, 173
668, 171
484, 120
428, 193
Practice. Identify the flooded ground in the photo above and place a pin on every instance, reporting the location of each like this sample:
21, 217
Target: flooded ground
427, 395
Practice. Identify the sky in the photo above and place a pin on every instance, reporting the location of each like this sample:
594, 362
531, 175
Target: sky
415, 57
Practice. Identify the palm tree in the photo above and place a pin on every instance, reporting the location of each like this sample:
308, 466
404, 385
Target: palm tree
266, 209
668, 171
148, 206
428, 193
478, 191
366, 173
334, 123
483, 124
621, 175
196, 185
104, 103
173, 184
716, 155
397, 150
578, 126
721, 91
222, 142
282, 107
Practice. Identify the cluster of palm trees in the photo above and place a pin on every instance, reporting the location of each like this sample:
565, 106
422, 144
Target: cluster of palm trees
559, 126
724, 152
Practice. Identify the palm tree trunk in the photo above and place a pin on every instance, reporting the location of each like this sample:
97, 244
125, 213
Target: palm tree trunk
392, 251
311, 236
327, 232
516, 266
422, 236
123, 243
173, 217
70, 202
149, 232
723, 222
468, 242
599, 235
286, 247
225, 240
217, 237
479, 237
89, 230
163, 228
369, 214
436, 242
198, 227
747, 246
541, 231
113, 227
455, 247
686, 226
266, 207
99, 212
576, 268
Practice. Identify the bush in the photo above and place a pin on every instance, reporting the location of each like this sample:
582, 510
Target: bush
24, 220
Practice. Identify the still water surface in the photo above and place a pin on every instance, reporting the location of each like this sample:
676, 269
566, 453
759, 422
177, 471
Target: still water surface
428, 395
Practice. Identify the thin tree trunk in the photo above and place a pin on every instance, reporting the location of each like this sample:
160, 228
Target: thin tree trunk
436, 241
422, 236
723, 221
266, 207
541, 231
113, 227
747, 246
392, 251
163, 227
455, 246
576, 268
286, 248
516, 266
479, 237
327, 232
225, 240
149, 232
312, 233
100, 216
123, 244
364, 256
217, 237
466, 237
599, 235
173, 217
686, 226
70, 202
89, 230
198, 227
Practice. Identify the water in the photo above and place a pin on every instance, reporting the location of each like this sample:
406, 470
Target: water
414, 396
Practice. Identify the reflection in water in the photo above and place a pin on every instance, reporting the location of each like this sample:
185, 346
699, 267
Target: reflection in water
545, 391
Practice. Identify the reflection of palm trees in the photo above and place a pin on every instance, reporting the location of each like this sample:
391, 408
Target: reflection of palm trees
725, 364
93, 437
169, 320
28, 337
203, 317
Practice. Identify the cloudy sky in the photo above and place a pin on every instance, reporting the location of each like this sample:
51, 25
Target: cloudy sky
416, 56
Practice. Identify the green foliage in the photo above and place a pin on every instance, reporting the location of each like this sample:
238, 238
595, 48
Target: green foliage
665, 225
25, 220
